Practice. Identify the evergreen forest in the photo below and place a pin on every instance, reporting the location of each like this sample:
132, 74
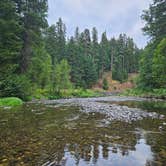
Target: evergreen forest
35, 56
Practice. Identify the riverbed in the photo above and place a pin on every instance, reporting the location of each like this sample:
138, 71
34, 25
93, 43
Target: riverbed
100, 131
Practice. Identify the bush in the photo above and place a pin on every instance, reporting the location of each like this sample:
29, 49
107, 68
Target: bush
40, 93
15, 86
10, 101
105, 84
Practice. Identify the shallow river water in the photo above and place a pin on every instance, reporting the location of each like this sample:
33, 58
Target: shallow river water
44, 134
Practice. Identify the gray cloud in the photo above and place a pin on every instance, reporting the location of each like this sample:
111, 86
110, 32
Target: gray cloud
114, 16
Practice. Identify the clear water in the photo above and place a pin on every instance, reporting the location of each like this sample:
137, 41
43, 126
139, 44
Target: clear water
36, 134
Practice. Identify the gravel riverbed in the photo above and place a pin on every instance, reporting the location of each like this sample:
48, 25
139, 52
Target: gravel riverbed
101, 105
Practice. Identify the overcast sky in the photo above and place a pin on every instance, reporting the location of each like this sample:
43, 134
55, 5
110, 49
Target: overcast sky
112, 16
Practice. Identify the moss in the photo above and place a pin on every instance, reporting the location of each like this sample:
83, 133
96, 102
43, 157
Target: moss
10, 101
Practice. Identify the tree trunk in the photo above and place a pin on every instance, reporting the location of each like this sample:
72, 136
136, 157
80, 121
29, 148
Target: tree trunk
25, 53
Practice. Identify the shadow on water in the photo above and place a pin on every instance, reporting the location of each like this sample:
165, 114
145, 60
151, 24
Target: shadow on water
35, 134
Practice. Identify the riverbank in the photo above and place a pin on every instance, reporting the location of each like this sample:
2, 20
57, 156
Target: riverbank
67, 93
105, 105
152, 93
43, 94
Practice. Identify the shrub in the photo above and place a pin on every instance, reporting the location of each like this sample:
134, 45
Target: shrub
15, 86
105, 84
10, 101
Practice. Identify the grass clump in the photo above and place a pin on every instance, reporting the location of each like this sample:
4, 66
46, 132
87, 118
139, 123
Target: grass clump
10, 101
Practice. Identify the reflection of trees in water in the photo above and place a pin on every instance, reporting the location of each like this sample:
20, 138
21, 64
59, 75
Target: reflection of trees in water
105, 141
94, 143
156, 140
39, 146
105, 151
92, 152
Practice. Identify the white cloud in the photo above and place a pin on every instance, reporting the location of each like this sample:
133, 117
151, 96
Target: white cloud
105, 9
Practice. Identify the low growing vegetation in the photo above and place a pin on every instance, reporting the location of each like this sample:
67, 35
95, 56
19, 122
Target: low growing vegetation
156, 93
10, 101
67, 93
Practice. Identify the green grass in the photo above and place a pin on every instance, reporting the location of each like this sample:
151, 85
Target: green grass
10, 101
69, 93
156, 93
66, 93
84, 93
41, 93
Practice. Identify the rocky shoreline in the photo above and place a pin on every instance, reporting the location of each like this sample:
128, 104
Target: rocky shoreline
101, 105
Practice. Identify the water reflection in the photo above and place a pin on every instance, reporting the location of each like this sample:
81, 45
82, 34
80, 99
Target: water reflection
37, 135
111, 155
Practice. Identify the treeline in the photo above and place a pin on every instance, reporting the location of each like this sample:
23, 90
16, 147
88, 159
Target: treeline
153, 59
88, 57
34, 55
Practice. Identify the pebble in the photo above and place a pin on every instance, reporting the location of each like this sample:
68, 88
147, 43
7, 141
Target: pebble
160, 128
162, 116
6, 108
164, 123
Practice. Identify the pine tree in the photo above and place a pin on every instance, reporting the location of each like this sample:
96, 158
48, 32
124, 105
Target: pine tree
60, 40
62, 76
90, 73
51, 41
77, 35
40, 67
113, 47
96, 49
75, 61
32, 16
104, 53
159, 65
86, 42
10, 45
155, 20
145, 78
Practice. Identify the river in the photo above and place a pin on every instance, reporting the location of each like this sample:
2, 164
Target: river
106, 131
